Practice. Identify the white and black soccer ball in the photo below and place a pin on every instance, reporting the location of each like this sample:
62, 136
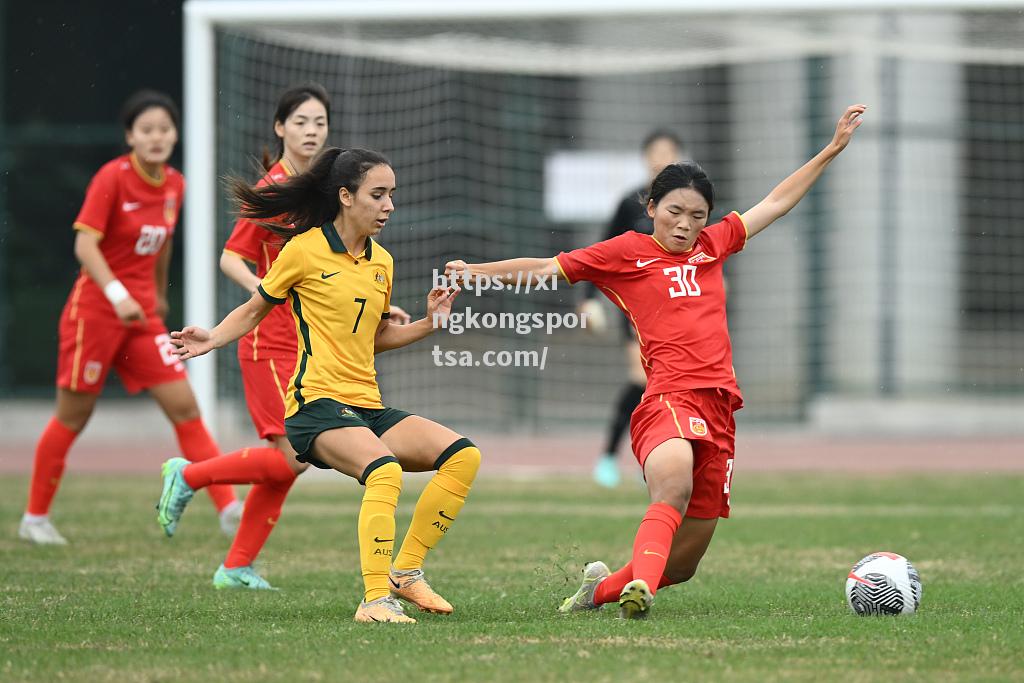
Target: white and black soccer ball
883, 583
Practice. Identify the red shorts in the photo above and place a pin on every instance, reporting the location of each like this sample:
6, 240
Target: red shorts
266, 382
142, 355
704, 417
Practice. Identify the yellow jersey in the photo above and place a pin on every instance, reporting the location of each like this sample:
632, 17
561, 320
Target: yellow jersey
337, 301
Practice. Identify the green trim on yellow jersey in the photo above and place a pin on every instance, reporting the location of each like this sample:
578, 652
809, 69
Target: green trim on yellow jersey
338, 247
337, 300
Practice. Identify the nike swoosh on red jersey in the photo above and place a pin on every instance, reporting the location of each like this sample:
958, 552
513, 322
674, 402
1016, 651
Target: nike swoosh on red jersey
641, 264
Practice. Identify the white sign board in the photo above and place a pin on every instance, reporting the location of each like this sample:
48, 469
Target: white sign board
587, 186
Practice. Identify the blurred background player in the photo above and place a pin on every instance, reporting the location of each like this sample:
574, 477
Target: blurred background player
660, 148
266, 355
337, 281
114, 315
683, 432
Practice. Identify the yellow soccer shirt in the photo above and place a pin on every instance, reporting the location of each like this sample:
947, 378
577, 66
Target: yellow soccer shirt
337, 301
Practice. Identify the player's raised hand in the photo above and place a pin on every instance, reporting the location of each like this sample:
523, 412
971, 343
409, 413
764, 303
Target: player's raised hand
849, 122
458, 268
439, 302
191, 342
130, 312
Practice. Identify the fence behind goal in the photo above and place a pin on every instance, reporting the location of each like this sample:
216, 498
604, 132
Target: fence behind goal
898, 276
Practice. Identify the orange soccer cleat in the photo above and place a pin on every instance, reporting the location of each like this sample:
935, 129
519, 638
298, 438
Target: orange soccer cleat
385, 609
411, 586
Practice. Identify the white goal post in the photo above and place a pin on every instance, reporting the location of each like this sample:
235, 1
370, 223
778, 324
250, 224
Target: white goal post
836, 363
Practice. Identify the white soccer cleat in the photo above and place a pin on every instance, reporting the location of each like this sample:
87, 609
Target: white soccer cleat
583, 599
230, 518
40, 532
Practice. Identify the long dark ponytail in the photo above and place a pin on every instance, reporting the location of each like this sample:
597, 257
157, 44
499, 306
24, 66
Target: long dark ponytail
307, 200
290, 100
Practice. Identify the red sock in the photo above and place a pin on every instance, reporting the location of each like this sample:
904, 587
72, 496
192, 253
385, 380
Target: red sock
247, 466
609, 589
262, 510
653, 543
51, 453
197, 445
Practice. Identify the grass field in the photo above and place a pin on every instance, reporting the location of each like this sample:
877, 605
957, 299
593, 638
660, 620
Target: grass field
122, 603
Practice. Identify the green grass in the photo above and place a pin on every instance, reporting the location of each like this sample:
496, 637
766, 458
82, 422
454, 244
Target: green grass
122, 603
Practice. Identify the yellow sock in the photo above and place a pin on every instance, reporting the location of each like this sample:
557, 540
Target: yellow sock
377, 526
440, 502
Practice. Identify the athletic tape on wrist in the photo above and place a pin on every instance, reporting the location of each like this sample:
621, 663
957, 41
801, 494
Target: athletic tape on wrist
115, 292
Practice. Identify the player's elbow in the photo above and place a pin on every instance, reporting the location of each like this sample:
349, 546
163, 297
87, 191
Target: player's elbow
778, 207
381, 342
226, 263
255, 310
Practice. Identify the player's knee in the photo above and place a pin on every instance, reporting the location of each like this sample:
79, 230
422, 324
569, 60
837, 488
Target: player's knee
383, 480
184, 412
75, 421
74, 410
462, 456
677, 495
682, 574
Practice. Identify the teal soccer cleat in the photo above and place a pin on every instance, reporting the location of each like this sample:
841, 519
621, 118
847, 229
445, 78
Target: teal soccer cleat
240, 577
175, 495
606, 472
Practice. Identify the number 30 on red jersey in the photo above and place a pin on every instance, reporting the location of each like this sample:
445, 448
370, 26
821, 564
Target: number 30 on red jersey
685, 279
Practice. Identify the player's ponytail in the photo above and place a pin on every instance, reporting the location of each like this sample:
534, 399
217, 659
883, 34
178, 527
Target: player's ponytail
307, 200
683, 174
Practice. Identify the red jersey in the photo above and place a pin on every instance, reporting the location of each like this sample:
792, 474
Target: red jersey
134, 214
275, 336
675, 302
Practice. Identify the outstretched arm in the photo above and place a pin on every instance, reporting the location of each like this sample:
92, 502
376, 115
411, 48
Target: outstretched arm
195, 341
508, 271
791, 190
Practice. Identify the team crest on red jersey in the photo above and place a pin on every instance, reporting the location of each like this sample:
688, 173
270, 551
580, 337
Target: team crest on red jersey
701, 257
170, 207
698, 426
91, 373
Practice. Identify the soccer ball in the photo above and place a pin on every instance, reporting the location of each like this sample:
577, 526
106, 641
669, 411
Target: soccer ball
883, 583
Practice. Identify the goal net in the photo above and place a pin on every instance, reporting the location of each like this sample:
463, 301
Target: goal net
898, 276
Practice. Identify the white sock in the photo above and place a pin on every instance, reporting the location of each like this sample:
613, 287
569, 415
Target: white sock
231, 507
34, 519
